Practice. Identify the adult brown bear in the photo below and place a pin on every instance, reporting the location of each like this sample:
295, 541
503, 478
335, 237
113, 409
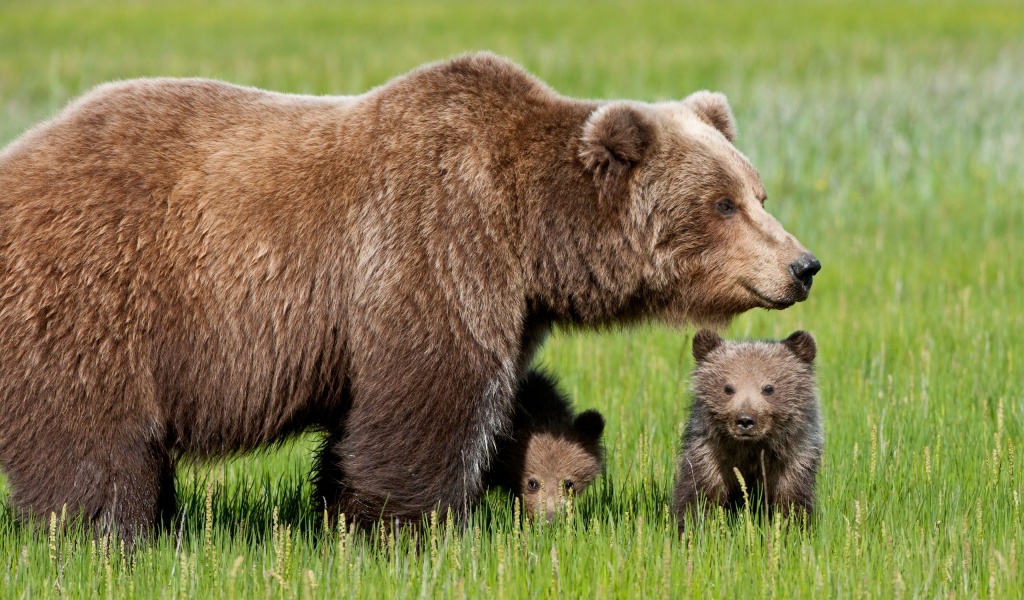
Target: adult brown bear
189, 267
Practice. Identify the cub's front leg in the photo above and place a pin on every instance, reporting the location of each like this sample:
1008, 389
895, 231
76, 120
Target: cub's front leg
700, 486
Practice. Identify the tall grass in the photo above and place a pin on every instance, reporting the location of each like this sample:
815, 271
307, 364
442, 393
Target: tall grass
888, 135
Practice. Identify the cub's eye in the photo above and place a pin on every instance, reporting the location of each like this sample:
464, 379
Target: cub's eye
726, 207
730, 390
768, 390
569, 485
532, 485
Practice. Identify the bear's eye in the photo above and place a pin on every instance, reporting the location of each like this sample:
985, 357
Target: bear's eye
569, 485
768, 390
726, 207
730, 390
532, 485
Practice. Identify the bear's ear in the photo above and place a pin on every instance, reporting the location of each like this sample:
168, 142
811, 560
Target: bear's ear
704, 342
713, 109
615, 139
802, 345
589, 425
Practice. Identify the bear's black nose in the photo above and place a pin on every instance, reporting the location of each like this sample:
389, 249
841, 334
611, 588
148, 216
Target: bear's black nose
745, 422
804, 269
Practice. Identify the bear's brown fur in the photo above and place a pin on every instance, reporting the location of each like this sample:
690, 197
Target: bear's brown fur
550, 452
192, 267
755, 410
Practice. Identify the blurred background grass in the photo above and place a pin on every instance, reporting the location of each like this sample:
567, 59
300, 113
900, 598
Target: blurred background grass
53, 50
889, 136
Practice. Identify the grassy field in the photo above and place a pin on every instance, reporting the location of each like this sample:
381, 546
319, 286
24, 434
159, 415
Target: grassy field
889, 137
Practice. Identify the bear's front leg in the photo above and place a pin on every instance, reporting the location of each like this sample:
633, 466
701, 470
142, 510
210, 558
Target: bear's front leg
329, 483
419, 436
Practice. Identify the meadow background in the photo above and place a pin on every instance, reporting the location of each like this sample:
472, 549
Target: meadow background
890, 136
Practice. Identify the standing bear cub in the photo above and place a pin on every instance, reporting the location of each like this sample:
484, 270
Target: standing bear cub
755, 411
550, 453
189, 267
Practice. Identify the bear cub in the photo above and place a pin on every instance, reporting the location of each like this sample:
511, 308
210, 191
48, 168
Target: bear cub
755, 411
550, 453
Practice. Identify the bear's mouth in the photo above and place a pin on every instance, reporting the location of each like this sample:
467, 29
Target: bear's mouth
767, 301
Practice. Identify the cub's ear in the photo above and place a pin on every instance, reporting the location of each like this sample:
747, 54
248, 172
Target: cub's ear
615, 139
802, 345
704, 342
713, 109
589, 425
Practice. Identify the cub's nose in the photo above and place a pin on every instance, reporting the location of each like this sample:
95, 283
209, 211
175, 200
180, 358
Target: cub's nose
745, 422
804, 269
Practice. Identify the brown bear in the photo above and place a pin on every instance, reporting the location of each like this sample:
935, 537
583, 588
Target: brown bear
550, 453
755, 410
189, 267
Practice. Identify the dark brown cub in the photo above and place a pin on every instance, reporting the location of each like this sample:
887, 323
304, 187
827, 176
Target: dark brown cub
550, 453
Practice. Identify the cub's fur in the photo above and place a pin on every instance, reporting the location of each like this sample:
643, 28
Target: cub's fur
550, 453
755, 410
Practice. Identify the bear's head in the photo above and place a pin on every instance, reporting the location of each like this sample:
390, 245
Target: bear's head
754, 390
696, 207
559, 463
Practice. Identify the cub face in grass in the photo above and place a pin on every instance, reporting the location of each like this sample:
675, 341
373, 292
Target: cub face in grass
551, 453
755, 411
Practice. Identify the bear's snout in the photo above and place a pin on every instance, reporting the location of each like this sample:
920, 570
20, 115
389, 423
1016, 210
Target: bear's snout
804, 269
745, 423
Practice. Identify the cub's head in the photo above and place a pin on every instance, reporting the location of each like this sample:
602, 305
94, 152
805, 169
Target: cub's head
556, 464
755, 390
696, 206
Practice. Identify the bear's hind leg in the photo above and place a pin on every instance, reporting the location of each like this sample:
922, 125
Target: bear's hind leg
139, 498
125, 488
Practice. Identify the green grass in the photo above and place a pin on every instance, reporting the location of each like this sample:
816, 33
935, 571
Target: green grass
889, 137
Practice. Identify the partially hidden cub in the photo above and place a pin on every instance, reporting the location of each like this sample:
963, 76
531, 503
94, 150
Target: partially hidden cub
551, 453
